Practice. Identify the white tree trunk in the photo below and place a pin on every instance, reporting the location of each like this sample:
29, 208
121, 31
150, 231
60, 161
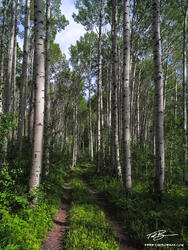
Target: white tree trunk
24, 77
10, 59
159, 107
39, 105
99, 98
75, 133
13, 103
90, 120
47, 91
115, 143
2, 54
127, 180
185, 141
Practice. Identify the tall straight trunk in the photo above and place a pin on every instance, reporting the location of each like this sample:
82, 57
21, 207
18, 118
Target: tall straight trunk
99, 98
119, 97
47, 91
185, 170
39, 105
90, 118
10, 59
32, 101
2, 53
176, 97
114, 131
138, 107
132, 97
165, 83
24, 77
109, 112
13, 106
159, 107
75, 131
127, 180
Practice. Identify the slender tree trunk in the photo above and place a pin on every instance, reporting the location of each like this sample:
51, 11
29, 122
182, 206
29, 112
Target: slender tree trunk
138, 106
109, 106
132, 96
176, 98
2, 54
47, 91
165, 83
115, 143
185, 141
126, 99
32, 101
13, 107
99, 98
159, 107
75, 130
90, 119
39, 107
10, 59
24, 77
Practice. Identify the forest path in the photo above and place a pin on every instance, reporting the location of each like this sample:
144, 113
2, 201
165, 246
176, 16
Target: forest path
56, 236
122, 237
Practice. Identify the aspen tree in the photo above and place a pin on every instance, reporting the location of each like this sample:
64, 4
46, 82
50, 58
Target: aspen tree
126, 100
24, 76
99, 91
114, 108
39, 98
13, 77
47, 90
5, 6
10, 59
159, 107
75, 132
185, 140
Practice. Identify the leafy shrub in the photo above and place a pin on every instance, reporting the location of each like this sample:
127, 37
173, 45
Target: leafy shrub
26, 227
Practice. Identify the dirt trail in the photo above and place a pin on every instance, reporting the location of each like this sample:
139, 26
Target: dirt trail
121, 236
56, 236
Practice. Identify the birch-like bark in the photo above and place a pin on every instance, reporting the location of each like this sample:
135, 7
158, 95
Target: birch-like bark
127, 181
90, 118
115, 137
47, 91
132, 97
176, 97
99, 98
2, 54
10, 59
138, 107
13, 103
39, 105
24, 77
109, 112
75, 130
32, 101
165, 83
185, 140
159, 107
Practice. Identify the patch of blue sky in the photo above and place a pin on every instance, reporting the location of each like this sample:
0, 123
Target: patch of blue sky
72, 32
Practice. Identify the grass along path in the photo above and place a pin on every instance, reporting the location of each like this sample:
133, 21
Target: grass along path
88, 227
121, 236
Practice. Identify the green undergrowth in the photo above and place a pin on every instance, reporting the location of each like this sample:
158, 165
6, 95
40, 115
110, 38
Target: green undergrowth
88, 228
24, 226
141, 214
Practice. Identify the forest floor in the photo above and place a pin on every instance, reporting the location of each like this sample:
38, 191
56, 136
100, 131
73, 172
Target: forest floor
56, 237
